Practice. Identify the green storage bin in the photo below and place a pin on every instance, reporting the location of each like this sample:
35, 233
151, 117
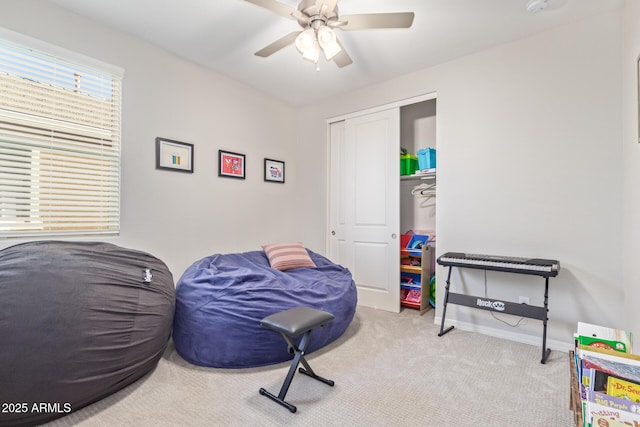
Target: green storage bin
408, 164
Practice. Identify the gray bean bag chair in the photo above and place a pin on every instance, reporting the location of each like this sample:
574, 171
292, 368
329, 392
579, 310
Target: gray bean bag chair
78, 322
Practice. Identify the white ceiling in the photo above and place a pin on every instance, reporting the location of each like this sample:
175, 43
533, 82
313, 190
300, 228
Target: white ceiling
223, 35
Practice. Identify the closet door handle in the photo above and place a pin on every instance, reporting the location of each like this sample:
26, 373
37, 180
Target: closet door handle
333, 232
394, 235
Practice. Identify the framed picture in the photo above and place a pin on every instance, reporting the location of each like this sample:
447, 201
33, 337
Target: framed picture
273, 171
231, 165
174, 155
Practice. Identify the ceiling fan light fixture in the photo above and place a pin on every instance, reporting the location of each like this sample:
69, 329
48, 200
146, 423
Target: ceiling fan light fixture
328, 42
331, 51
326, 35
306, 40
313, 53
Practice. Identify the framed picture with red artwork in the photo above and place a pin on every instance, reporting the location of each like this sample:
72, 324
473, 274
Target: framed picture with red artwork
231, 165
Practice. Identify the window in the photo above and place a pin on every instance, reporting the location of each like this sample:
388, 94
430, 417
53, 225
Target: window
59, 143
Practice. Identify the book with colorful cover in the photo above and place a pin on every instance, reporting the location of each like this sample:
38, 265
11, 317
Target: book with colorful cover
600, 405
634, 358
628, 390
591, 379
603, 337
602, 421
596, 366
621, 368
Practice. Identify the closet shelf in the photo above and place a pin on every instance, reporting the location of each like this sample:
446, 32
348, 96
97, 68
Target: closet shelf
426, 174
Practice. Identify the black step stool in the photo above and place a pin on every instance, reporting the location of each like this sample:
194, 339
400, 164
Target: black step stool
291, 324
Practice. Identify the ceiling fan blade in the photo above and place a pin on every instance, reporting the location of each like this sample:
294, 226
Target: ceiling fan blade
342, 59
278, 44
368, 21
326, 7
276, 7
300, 17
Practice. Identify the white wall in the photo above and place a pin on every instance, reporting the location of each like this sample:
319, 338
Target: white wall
529, 160
631, 151
175, 216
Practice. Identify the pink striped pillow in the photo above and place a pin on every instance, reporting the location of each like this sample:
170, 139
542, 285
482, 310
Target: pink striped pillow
286, 256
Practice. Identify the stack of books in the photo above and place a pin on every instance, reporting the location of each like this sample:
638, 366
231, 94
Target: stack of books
609, 376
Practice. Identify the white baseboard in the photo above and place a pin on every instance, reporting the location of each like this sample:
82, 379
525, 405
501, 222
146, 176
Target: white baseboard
507, 335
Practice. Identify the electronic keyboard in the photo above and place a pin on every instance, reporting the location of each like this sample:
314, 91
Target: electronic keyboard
537, 266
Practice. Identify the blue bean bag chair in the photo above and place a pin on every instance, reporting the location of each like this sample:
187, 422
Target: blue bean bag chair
221, 299
78, 322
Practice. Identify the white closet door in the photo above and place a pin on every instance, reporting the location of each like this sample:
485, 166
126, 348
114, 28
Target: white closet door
364, 205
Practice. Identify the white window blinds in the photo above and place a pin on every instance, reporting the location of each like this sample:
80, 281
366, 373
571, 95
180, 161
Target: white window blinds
59, 145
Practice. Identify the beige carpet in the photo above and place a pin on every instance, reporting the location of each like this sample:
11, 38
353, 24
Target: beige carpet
390, 370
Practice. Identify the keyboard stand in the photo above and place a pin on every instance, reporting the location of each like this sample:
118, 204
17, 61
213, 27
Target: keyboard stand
499, 306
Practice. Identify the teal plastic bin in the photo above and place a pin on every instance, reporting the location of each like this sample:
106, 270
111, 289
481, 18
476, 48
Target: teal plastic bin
427, 158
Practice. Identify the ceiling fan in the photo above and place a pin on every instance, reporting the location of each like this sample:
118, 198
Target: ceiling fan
318, 18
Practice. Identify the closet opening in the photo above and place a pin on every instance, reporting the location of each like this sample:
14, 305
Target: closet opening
418, 151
